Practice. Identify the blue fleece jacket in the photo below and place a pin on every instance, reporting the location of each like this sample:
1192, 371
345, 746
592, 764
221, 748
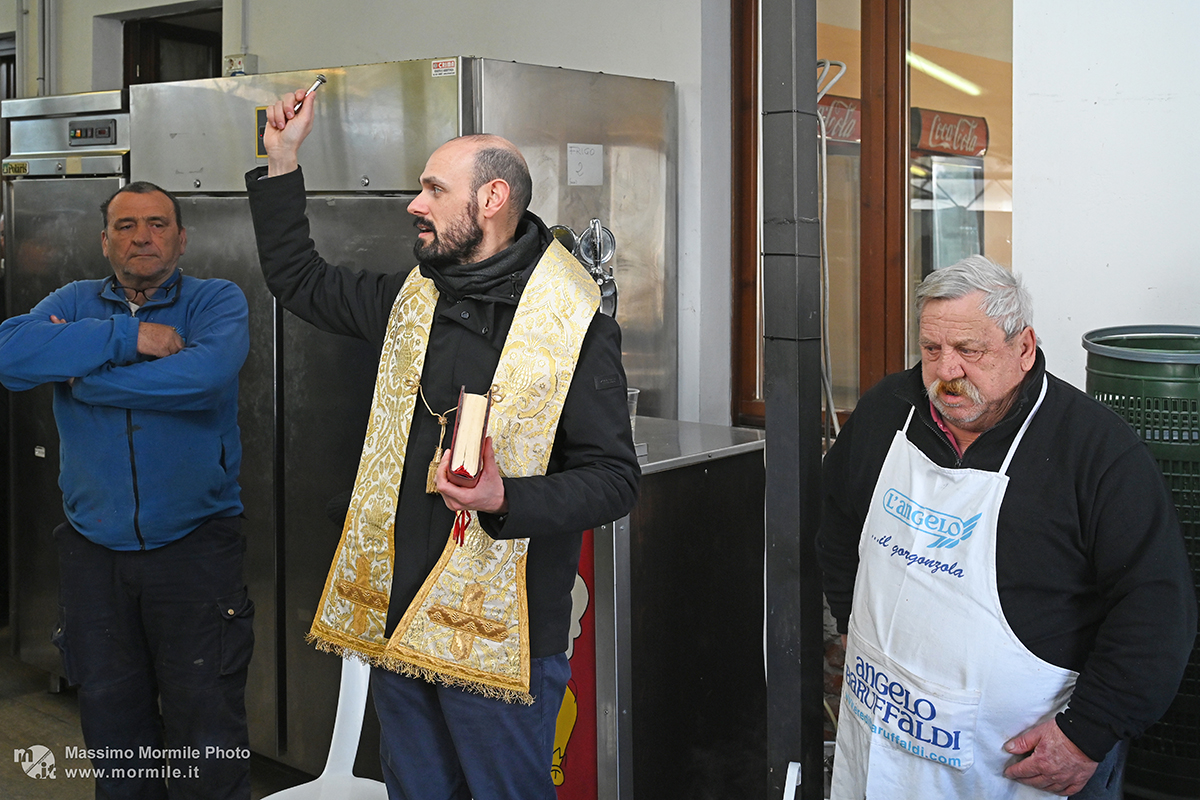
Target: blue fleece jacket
149, 447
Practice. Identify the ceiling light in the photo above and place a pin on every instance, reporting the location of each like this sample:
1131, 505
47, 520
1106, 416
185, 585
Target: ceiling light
942, 74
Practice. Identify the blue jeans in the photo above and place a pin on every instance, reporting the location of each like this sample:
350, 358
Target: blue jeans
449, 744
1108, 781
170, 628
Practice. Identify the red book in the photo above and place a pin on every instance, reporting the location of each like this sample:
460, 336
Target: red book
470, 429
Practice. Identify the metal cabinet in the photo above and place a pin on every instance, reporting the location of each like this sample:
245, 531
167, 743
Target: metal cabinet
680, 672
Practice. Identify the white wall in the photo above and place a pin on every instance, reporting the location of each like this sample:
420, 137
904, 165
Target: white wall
1106, 105
8, 18
684, 41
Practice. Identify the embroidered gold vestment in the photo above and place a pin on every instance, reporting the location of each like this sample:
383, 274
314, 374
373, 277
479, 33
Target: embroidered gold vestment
468, 624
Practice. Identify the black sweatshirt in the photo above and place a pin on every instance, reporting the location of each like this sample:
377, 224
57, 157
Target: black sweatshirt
592, 476
1090, 562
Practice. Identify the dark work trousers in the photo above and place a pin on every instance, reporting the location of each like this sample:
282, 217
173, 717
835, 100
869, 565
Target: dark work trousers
446, 743
169, 629
1108, 781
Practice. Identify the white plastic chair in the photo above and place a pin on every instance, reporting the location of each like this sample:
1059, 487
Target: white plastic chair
338, 781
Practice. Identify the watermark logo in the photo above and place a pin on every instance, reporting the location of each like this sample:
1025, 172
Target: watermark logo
947, 530
37, 761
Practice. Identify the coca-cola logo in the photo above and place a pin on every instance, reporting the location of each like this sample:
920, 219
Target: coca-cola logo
842, 119
957, 134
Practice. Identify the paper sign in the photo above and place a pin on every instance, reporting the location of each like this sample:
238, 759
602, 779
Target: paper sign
585, 164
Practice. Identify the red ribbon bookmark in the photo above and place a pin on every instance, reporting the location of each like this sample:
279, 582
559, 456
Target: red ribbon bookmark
461, 520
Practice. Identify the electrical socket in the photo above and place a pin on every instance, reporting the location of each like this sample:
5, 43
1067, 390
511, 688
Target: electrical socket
240, 64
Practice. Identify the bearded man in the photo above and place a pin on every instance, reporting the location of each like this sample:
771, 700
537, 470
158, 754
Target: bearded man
460, 597
1005, 558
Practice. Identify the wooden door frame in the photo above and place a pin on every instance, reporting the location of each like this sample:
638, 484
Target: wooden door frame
749, 407
883, 304
884, 202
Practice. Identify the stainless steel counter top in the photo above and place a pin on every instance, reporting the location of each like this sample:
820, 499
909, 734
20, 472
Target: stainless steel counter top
672, 443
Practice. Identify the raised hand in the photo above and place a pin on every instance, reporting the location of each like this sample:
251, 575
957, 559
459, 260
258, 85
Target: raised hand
286, 130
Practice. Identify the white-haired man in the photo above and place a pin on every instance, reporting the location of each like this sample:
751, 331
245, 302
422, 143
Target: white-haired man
1005, 557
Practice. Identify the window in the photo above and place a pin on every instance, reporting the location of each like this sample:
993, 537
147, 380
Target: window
174, 48
911, 184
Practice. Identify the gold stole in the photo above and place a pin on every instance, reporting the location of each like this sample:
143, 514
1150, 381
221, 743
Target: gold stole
469, 623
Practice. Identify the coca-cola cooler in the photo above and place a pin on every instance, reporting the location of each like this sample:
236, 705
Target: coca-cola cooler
946, 176
947, 185
945, 173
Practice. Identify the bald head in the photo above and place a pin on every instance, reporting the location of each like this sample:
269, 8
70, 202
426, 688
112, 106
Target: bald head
474, 191
496, 158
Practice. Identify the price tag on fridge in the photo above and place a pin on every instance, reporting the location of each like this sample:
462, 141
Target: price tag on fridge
585, 164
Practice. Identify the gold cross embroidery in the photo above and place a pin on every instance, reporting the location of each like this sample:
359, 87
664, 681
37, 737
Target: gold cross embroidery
467, 621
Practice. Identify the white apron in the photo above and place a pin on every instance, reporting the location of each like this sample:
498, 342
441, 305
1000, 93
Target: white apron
935, 680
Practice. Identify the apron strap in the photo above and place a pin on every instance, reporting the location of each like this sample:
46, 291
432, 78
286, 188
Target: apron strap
904, 430
1021, 433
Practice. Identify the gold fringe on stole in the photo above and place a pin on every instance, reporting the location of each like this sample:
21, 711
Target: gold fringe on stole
412, 671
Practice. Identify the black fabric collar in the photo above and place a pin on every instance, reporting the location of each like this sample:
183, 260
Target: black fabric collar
501, 278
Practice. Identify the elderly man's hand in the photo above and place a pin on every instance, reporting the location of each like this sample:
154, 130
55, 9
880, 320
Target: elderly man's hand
155, 339
1054, 763
486, 495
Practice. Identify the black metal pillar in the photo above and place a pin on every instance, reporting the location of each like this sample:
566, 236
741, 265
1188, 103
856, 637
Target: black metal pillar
791, 328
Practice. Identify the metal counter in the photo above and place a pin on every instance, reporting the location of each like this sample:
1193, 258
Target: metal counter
671, 444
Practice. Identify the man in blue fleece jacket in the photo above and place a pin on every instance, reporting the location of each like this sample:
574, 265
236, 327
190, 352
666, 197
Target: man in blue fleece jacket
154, 607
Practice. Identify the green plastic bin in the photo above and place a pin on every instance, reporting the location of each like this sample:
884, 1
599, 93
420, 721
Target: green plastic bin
1150, 375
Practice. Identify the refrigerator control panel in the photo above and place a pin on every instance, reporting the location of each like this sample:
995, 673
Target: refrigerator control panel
88, 132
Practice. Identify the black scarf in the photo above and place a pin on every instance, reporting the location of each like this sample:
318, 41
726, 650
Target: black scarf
498, 279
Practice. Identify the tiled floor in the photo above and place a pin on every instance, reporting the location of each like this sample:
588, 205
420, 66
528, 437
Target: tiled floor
32, 716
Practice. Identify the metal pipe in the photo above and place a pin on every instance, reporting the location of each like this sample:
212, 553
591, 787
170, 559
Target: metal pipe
41, 24
245, 25
51, 46
22, 47
47, 49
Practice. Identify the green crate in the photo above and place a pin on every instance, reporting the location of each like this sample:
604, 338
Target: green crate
1150, 376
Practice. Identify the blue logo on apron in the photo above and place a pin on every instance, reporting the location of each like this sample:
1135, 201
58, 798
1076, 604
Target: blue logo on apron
947, 530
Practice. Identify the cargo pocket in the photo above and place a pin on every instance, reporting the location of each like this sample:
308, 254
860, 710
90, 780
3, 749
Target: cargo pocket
237, 631
59, 639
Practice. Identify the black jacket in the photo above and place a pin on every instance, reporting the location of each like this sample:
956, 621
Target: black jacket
1090, 562
592, 476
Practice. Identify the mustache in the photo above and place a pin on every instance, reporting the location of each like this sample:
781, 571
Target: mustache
423, 223
959, 386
